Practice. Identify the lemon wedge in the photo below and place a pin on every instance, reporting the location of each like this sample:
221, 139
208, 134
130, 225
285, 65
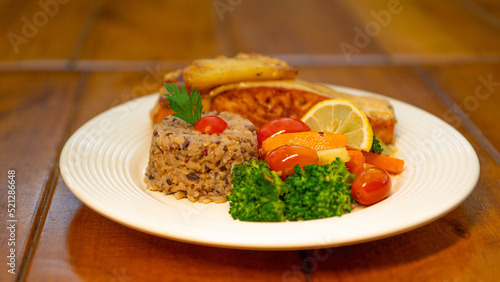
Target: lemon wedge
342, 117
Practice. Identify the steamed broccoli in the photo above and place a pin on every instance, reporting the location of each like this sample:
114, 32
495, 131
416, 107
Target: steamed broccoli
314, 192
318, 191
376, 147
256, 193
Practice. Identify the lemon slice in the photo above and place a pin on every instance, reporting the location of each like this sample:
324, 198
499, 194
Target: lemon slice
342, 117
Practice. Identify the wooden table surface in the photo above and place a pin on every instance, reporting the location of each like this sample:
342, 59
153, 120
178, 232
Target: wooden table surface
64, 62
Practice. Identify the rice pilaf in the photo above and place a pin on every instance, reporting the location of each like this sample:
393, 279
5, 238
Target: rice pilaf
189, 164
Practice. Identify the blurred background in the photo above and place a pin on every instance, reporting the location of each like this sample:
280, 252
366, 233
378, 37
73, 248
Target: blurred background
129, 35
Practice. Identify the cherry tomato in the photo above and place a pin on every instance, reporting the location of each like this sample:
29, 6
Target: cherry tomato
210, 125
285, 158
371, 186
278, 126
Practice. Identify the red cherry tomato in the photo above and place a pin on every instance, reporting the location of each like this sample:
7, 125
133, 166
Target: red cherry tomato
371, 186
278, 126
285, 158
210, 125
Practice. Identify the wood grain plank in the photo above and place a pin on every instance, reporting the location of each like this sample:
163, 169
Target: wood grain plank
426, 26
461, 246
474, 89
289, 27
109, 89
35, 30
77, 243
152, 30
34, 115
391, 81
485, 9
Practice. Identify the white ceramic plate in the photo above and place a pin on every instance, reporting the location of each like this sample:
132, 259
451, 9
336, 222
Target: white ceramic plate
103, 165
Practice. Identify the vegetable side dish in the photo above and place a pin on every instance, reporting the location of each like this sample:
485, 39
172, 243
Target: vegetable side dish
275, 147
314, 192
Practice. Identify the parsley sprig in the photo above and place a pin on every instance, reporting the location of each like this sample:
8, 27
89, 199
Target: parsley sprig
186, 107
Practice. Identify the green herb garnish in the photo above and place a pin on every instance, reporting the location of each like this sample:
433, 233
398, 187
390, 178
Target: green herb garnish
186, 107
376, 147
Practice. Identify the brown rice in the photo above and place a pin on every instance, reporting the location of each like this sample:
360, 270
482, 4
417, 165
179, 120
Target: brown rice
197, 166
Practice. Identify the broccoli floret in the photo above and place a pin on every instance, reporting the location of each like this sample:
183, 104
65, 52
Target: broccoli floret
318, 191
256, 193
376, 147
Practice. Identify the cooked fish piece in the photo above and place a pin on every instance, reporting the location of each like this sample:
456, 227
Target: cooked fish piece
261, 102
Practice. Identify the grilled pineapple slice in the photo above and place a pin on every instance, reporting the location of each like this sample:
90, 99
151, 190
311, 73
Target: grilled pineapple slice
205, 74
